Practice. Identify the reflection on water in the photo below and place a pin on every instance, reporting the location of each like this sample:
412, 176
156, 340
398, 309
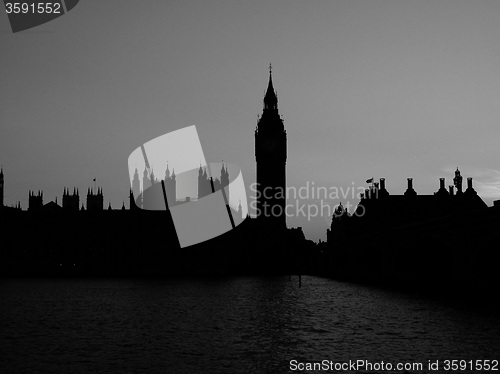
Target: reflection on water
240, 325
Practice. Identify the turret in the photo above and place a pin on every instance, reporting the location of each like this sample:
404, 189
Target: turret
146, 182
153, 179
167, 172
136, 184
457, 181
95, 201
70, 201
35, 202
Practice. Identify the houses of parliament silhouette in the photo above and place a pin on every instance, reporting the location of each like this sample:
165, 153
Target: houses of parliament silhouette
270, 155
95, 198
87, 238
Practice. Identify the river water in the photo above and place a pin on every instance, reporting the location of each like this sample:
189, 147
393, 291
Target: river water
230, 325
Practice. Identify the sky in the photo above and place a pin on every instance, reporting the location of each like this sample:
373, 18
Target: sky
373, 88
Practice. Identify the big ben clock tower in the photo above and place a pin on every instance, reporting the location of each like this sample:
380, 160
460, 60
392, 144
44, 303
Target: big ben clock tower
270, 154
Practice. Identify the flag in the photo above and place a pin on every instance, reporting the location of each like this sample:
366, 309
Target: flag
369, 180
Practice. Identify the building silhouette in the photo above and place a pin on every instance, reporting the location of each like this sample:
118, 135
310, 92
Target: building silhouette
146, 180
151, 195
270, 154
35, 202
205, 181
379, 210
170, 187
51, 207
95, 200
150, 190
136, 185
71, 201
445, 239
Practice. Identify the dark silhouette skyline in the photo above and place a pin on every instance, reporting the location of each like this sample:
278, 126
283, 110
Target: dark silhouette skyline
366, 89
384, 232
270, 156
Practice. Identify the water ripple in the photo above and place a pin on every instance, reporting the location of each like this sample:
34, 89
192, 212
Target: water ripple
241, 325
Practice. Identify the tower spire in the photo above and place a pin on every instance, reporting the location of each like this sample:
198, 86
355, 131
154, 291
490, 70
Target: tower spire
270, 99
270, 154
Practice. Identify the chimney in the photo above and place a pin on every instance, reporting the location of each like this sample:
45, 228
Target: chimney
451, 190
382, 192
441, 183
410, 191
469, 183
